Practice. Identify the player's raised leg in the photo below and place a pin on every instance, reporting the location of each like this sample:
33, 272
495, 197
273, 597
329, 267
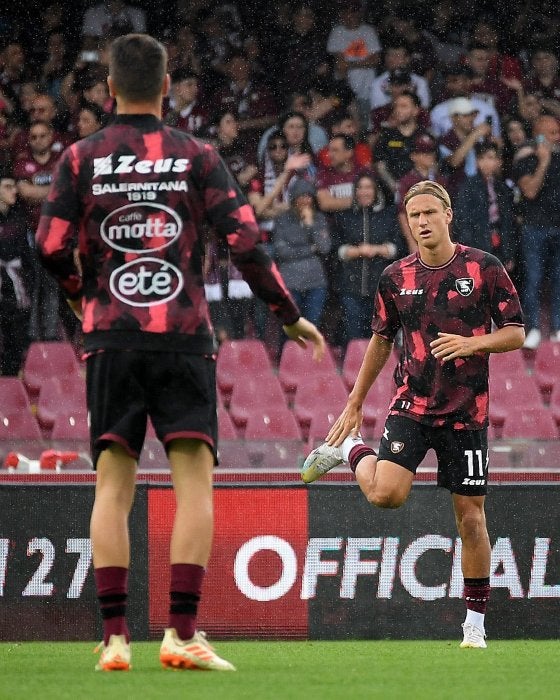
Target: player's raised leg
184, 647
471, 524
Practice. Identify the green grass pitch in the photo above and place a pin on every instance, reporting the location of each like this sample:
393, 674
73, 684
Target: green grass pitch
350, 670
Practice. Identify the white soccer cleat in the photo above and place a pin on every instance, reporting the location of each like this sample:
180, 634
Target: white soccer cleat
320, 461
115, 656
195, 654
473, 637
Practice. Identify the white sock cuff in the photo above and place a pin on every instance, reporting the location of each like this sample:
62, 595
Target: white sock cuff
350, 442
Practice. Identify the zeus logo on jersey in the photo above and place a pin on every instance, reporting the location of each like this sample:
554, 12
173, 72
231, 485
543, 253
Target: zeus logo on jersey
464, 286
146, 282
130, 164
407, 292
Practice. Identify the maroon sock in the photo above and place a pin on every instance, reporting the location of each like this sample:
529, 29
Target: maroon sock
186, 585
477, 594
112, 589
357, 453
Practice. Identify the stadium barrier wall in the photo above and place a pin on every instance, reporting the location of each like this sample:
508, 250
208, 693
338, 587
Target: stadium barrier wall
288, 562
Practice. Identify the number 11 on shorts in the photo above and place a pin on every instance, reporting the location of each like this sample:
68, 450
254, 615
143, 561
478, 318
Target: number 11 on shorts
472, 457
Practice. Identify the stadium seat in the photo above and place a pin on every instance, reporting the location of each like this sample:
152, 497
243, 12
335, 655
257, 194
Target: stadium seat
297, 363
239, 359
376, 407
546, 370
60, 395
226, 429
19, 426
46, 360
508, 364
321, 422
254, 395
13, 396
322, 391
274, 423
353, 361
71, 426
555, 402
511, 395
355, 351
531, 424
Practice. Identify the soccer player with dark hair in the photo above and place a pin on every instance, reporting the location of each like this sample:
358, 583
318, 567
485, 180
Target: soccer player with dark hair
133, 198
445, 299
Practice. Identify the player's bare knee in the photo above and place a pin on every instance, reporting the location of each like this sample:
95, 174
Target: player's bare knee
386, 499
471, 525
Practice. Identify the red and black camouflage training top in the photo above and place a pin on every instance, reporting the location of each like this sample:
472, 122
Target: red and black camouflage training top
133, 198
463, 296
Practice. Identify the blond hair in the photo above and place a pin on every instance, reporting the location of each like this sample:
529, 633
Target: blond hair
428, 187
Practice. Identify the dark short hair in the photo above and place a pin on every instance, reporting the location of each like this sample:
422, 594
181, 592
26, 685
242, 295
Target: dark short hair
137, 66
482, 147
180, 74
349, 141
413, 96
98, 113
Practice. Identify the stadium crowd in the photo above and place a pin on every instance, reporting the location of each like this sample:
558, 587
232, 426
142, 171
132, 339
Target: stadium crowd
326, 112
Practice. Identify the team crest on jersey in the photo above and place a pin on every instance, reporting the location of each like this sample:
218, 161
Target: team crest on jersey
464, 286
397, 446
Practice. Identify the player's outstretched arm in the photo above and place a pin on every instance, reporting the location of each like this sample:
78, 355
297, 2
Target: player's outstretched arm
449, 346
303, 330
350, 420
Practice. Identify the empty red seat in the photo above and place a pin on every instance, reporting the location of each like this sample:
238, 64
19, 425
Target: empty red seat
512, 394
546, 370
13, 396
555, 402
226, 429
46, 360
19, 426
60, 396
355, 351
531, 424
297, 363
274, 423
253, 395
239, 359
318, 392
508, 364
321, 422
71, 426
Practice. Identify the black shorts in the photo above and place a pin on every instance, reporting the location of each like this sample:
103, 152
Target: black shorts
462, 454
176, 390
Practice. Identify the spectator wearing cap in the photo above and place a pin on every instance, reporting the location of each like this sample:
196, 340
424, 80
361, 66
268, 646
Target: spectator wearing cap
397, 70
392, 152
424, 157
458, 83
186, 113
543, 81
484, 208
301, 238
366, 238
456, 147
